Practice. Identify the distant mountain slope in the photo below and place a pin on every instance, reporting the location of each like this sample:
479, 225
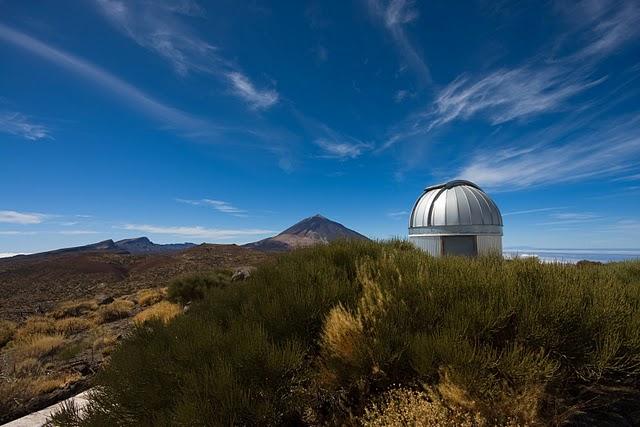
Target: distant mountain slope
136, 246
310, 231
104, 246
142, 245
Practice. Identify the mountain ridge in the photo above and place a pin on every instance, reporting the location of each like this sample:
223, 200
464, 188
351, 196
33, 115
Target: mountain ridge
315, 229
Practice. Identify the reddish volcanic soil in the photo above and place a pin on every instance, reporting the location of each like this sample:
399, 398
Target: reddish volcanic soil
35, 283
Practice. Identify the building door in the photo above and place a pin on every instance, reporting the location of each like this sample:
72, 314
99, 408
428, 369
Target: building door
459, 245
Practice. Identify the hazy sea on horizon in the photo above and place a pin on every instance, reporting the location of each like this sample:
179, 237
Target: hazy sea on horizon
574, 255
547, 255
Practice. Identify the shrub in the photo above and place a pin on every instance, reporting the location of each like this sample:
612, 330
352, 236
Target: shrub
402, 407
37, 346
16, 392
194, 286
150, 296
44, 325
116, 310
104, 343
7, 329
319, 334
163, 311
73, 309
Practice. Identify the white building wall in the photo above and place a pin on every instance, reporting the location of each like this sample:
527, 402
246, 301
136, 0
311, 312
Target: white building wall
489, 245
430, 244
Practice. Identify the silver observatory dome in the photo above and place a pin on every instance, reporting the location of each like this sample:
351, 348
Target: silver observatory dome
456, 218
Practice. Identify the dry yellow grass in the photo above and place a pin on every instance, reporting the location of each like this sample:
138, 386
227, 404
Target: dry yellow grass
27, 366
7, 329
44, 325
150, 296
118, 309
342, 334
104, 340
404, 407
16, 391
164, 311
74, 308
37, 346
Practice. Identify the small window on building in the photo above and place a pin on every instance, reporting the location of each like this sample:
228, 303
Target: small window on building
459, 245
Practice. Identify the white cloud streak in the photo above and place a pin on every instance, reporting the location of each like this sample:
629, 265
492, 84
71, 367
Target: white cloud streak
13, 217
169, 116
607, 24
612, 150
18, 124
153, 26
341, 149
398, 214
394, 15
10, 254
539, 86
219, 205
156, 26
17, 233
197, 231
530, 211
505, 95
244, 88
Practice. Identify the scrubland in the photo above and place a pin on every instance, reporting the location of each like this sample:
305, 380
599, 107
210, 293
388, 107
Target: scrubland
52, 355
365, 333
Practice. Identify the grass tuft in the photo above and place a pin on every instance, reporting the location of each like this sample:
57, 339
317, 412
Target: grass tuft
118, 309
193, 287
7, 329
163, 311
146, 297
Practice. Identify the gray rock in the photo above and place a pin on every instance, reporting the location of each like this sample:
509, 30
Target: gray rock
102, 300
242, 273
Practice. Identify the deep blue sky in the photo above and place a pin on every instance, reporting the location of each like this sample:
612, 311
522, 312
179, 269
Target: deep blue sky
228, 121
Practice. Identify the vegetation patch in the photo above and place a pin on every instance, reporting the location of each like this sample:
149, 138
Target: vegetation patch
193, 287
146, 297
163, 311
7, 329
118, 309
325, 335
17, 391
37, 346
74, 308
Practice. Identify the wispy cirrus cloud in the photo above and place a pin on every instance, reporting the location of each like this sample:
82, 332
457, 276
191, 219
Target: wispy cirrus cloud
604, 24
545, 83
18, 124
14, 217
341, 148
571, 218
505, 95
219, 205
132, 96
334, 144
198, 231
157, 26
17, 233
611, 150
244, 88
394, 15
398, 214
530, 211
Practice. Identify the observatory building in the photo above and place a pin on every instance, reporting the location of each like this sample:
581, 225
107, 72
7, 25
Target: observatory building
456, 218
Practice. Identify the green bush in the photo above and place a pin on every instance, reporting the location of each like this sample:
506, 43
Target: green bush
193, 287
320, 333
